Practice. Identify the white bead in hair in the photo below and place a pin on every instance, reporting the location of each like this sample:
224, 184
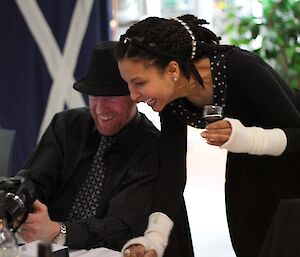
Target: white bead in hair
127, 39
194, 42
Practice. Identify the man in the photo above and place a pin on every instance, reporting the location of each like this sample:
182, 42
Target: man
62, 161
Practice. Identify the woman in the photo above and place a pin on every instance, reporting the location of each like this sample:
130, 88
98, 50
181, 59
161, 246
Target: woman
177, 66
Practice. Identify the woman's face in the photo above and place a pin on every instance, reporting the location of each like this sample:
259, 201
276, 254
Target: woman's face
148, 83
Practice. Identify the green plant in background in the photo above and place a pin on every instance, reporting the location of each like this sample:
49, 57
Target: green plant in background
275, 36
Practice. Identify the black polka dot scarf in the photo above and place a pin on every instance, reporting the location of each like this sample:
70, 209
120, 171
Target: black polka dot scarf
188, 113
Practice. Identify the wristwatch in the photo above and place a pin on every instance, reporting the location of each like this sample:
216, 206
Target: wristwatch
61, 238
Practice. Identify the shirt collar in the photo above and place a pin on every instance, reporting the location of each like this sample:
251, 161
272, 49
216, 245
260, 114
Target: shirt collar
125, 135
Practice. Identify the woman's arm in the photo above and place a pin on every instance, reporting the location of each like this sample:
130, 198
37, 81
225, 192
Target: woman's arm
171, 182
260, 106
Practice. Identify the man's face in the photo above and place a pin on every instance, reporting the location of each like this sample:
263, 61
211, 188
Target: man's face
111, 113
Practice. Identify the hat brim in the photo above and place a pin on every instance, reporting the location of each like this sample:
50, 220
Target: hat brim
103, 89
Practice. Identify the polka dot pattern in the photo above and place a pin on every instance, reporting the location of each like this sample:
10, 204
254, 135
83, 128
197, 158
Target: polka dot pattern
218, 69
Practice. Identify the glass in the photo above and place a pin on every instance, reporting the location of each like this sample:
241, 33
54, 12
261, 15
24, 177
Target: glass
212, 113
8, 242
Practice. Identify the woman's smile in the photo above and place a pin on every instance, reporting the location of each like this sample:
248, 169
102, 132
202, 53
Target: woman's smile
150, 101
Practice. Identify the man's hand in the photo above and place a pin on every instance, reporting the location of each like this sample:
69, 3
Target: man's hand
38, 225
139, 251
217, 133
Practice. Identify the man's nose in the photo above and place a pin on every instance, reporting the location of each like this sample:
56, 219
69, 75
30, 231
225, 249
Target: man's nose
100, 104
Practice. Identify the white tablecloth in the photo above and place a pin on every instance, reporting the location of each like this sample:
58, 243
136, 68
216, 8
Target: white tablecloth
98, 252
30, 250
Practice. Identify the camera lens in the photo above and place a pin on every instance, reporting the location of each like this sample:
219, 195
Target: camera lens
15, 206
20, 195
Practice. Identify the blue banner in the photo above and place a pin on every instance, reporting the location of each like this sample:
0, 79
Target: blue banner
45, 46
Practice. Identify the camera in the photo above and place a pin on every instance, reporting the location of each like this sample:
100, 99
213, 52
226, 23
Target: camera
20, 195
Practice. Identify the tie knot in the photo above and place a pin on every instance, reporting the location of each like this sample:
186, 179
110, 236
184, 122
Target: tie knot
107, 142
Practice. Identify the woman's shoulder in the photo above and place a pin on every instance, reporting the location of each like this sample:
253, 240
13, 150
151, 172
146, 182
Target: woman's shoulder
241, 55
239, 59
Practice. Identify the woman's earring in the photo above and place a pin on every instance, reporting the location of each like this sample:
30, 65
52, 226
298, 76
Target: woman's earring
175, 79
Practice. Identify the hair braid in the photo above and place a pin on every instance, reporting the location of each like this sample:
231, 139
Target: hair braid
158, 41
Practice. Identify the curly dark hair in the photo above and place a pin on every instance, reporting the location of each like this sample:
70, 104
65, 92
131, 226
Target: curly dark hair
158, 41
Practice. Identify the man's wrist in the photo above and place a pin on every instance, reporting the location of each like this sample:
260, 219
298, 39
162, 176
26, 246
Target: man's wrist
61, 237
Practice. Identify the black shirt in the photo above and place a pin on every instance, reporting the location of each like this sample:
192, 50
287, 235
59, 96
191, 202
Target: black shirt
62, 160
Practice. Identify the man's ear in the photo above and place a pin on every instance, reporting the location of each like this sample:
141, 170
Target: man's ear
173, 70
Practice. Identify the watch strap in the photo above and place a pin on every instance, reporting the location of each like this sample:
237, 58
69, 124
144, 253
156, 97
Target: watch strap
61, 238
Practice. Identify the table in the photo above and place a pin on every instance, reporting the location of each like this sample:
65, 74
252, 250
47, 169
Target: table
30, 250
98, 252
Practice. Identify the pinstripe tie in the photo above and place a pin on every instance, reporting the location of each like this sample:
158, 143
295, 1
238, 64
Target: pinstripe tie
88, 197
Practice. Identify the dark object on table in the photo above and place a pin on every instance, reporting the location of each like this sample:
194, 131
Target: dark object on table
282, 239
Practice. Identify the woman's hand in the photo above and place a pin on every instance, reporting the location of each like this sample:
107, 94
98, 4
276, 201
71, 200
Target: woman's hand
232, 135
139, 251
217, 133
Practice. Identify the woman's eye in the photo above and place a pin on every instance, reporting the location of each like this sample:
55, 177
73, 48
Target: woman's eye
139, 84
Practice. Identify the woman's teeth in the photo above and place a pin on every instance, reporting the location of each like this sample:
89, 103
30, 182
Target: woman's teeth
150, 101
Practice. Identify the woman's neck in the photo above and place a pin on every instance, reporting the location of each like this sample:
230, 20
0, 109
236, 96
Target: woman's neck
199, 95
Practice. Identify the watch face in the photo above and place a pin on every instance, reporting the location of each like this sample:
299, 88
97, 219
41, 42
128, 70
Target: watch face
61, 238
63, 228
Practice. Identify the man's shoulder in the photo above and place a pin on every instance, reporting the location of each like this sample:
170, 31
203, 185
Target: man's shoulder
76, 113
148, 127
73, 119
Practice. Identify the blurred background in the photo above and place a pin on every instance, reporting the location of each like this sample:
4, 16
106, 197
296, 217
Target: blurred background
46, 45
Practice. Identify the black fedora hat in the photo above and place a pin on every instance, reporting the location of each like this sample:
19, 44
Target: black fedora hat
103, 77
